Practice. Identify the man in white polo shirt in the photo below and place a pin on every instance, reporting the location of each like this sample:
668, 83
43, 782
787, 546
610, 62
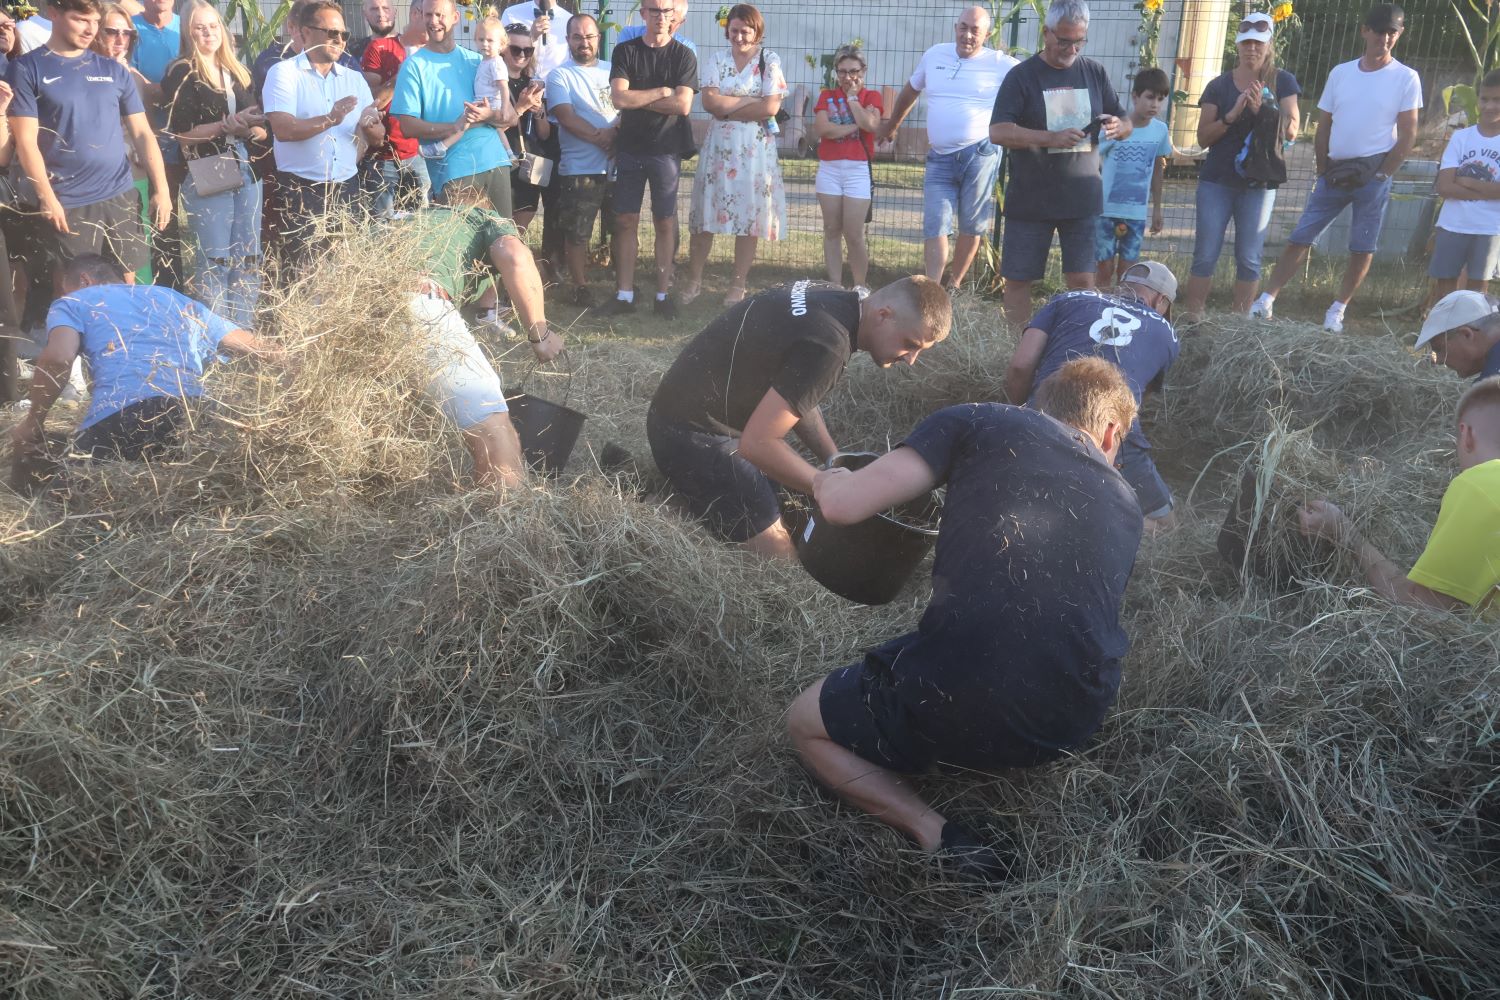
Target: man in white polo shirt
1369, 126
961, 79
314, 106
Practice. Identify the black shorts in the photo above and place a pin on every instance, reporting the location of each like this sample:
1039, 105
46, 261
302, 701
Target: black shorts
524, 195
111, 228
1025, 246
634, 172
138, 431
716, 485
865, 713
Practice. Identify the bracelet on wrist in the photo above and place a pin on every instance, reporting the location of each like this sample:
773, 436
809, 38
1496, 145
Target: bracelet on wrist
545, 334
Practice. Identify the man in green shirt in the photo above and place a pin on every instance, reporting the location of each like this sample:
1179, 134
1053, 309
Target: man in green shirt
1460, 567
464, 243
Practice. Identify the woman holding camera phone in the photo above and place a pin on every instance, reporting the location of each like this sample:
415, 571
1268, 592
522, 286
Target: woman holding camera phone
533, 134
206, 94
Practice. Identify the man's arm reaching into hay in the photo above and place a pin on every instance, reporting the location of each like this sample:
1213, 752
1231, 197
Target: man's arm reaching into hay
1326, 520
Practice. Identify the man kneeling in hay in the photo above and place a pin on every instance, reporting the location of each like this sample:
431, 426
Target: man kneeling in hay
1460, 567
463, 242
719, 420
1129, 327
1017, 658
146, 347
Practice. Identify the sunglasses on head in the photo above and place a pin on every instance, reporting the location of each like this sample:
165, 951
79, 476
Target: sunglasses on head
522, 52
1255, 25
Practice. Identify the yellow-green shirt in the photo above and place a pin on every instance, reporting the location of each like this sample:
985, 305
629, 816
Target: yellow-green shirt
1462, 558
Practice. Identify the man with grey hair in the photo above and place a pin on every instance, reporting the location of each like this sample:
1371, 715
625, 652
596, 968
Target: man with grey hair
961, 79
1051, 112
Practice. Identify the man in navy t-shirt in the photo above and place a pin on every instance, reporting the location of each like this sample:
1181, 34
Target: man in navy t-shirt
1017, 658
66, 119
147, 347
1127, 327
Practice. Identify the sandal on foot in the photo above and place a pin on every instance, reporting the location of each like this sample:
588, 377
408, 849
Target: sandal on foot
736, 295
689, 293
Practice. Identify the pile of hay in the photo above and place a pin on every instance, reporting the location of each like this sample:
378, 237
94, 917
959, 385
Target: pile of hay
309, 736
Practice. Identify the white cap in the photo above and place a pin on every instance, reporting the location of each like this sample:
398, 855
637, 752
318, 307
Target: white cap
1250, 33
1454, 310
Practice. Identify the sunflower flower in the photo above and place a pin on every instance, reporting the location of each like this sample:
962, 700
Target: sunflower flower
1281, 12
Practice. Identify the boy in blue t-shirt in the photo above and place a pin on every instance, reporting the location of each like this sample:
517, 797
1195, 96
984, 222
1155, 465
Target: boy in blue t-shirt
1133, 168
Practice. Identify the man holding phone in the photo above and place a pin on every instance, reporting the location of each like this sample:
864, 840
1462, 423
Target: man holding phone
549, 31
1051, 111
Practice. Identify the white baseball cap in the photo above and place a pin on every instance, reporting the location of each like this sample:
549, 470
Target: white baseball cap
1256, 27
1454, 310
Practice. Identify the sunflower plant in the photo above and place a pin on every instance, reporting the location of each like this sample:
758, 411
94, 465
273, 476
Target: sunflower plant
1149, 34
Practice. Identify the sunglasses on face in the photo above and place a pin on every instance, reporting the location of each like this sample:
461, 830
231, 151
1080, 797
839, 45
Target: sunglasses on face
518, 52
118, 32
332, 33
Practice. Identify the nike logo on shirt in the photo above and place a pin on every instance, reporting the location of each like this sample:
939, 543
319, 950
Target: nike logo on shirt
51, 79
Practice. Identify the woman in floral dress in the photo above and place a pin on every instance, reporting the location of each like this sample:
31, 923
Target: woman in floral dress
737, 188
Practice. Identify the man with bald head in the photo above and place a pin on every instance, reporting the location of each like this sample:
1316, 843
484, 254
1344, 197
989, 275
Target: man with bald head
1460, 567
961, 79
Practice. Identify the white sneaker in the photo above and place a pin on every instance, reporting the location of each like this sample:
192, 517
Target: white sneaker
862, 292
1333, 319
1263, 307
497, 322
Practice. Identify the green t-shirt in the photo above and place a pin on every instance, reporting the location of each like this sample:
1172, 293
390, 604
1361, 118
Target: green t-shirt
456, 243
1462, 558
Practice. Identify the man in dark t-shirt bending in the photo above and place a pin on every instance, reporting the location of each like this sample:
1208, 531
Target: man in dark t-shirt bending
1017, 658
719, 420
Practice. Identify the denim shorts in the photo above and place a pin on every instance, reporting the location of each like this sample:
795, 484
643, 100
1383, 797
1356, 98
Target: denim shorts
1326, 202
1119, 238
1452, 252
462, 380
843, 179
1024, 248
1151, 492
634, 172
712, 481
1250, 208
960, 185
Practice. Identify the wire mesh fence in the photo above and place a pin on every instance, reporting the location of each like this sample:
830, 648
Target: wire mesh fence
1193, 40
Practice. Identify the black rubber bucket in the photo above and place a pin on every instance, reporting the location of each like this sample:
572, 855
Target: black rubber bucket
868, 562
1246, 543
548, 430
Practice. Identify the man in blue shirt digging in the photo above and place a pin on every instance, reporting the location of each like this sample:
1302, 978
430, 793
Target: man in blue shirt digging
146, 347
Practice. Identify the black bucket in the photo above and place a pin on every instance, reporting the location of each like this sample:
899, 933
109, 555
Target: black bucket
548, 430
868, 562
1245, 543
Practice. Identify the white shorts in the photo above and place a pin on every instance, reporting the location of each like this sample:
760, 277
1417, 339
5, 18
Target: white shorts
463, 382
844, 178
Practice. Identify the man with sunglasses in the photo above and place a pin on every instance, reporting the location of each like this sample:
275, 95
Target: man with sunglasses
1051, 113
652, 80
1369, 124
315, 107
960, 79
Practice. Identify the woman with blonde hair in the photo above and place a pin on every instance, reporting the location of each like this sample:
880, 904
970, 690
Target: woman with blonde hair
206, 94
116, 40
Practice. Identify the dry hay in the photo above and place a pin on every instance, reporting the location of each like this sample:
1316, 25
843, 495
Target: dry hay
1356, 391
301, 738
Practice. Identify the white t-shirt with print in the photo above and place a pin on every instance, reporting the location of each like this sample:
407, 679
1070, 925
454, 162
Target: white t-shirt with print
1365, 106
960, 93
555, 52
1477, 156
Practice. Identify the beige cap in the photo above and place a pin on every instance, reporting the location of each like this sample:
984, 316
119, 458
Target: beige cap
1454, 310
1153, 275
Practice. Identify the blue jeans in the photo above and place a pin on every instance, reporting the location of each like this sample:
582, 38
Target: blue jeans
960, 184
226, 229
1250, 208
1326, 202
406, 180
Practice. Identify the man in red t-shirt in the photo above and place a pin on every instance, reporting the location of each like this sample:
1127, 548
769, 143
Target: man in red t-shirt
401, 171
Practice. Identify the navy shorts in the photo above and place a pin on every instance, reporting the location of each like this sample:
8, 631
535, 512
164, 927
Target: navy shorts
633, 172
716, 485
1140, 472
1024, 249
864, 713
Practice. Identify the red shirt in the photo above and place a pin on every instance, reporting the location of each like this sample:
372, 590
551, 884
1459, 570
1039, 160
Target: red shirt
856, 146
384, 57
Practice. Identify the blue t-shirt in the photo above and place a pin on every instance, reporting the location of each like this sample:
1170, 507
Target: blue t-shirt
586, 90
78, 102
140, 341
1129, 164
1037, 542
1491, 363
433, 86
1134, 338
155, 48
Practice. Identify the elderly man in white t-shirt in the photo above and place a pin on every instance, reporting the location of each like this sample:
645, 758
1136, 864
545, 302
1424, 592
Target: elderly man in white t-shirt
1369, 126
961, 79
